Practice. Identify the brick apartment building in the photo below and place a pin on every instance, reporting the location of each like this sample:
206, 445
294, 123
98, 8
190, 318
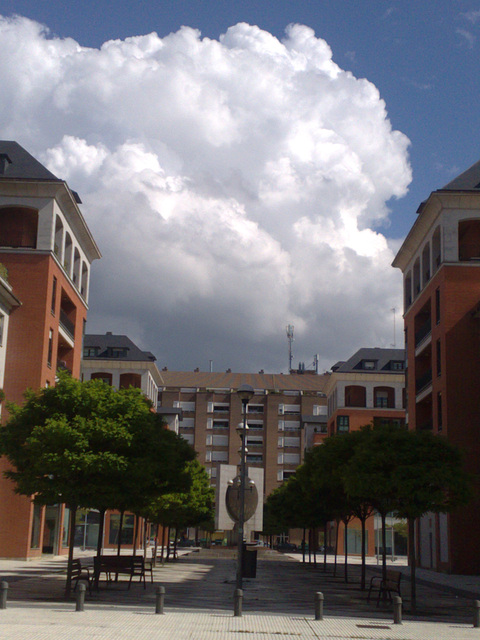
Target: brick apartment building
277, 414
367, 388
440, 262
46, 250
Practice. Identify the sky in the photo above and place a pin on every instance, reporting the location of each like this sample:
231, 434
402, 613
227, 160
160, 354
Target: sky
245, 166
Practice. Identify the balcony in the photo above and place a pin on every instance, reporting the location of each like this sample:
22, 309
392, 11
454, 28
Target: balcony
423, 381
423, 332
66, 324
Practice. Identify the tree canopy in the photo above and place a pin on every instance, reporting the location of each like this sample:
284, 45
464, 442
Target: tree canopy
89, 445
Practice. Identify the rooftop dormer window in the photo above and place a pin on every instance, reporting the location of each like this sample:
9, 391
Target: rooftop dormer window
369, 365
90, 352
117, 352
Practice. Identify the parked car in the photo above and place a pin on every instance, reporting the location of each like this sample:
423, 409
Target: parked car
285, 546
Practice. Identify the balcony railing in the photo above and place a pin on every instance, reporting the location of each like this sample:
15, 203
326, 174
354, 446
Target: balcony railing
67, 324
423, 381
423, 332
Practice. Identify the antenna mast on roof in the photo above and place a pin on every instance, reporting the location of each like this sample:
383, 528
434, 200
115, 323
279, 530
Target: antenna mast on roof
290, 328
394, 345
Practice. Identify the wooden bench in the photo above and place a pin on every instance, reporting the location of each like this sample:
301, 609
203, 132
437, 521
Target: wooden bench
114, 565
81, 573
387, 587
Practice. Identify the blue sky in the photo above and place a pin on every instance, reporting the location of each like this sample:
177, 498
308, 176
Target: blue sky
226, 170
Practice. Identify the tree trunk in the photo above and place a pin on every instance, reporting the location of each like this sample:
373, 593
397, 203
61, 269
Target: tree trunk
314, 543
168, 545
175, 544
155, 546
135, 534
384, 547
336, 549
362, 577
164, 529
412, 560
71, 536
309, 546
325, 547
345, 544
303, 545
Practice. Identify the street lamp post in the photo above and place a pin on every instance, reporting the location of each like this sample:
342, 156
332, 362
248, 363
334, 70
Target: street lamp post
245, 393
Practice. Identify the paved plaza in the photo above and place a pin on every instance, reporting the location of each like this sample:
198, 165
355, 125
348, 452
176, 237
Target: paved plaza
199, 587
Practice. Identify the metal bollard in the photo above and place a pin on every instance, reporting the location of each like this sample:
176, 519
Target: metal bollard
80, 606
476, 613
397, 610
319, 605
159, 600
237, 603
3, 594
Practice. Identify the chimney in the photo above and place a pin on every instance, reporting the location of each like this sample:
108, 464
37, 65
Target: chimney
4, 162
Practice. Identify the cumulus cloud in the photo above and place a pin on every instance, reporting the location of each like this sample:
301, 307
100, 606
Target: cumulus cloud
232, 185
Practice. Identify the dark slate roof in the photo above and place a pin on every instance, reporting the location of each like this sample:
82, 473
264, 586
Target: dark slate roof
381, 357
17, 163
106, 342
466, 181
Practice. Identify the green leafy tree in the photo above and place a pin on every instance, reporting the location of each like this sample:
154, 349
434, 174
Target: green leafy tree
88, 445
188, 508
407, 473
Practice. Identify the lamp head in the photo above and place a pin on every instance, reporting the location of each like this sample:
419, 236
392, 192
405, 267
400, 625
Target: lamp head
245, 393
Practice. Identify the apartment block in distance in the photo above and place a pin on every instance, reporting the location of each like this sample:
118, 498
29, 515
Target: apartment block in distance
368, 388
440, 262
281, 407
47, 250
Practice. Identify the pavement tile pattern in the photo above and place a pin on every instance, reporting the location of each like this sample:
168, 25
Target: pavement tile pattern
278, 604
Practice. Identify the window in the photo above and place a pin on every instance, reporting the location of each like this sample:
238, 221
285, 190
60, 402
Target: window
292, 442
127, 529
54, 294
220, 424
117, 352
103, 376
319, 410
254, 440
382, 399
189, 437
65, 526
2, 324
219, 407
397, 365
187, 423
50, 348
35, 536
439, 358
254, 457
437, 305
291, 409
289, 425
219, 441
90, 352
343, 424
439, 412
255, 425
291, 458
185, 406
355, 396
368, 365
219, 456
255, 408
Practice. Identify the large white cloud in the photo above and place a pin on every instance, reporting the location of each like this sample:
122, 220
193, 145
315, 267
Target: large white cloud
231, 185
